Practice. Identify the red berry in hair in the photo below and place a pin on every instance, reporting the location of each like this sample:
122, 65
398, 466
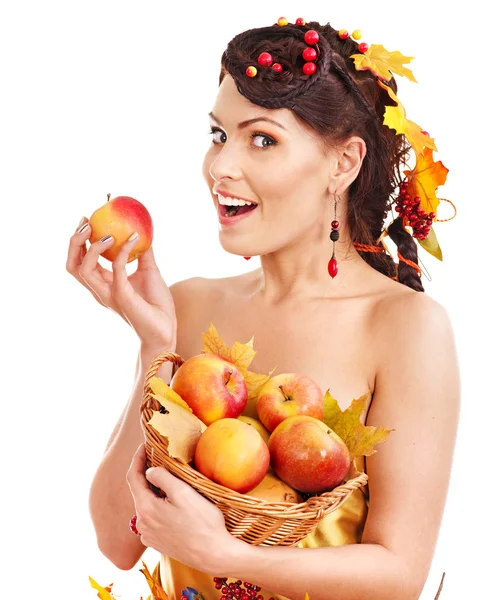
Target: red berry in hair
265, 59
277, 67
363, 47
311, 37
343, 34
300, 21
309, 54
309, 68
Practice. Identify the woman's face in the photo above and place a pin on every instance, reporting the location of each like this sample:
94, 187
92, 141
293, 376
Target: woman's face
266, 157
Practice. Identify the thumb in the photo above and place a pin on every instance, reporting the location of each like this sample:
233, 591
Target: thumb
166, 481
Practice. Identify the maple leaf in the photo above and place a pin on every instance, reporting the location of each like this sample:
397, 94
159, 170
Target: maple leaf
154, 582
360, 439
162, 389
395, 118
181, 428
431, 245
103, 592
381, 62
423, 180
241, 355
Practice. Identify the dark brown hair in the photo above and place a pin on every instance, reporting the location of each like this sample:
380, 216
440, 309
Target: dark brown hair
337, 102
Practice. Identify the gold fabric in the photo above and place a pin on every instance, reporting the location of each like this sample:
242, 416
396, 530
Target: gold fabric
342, 526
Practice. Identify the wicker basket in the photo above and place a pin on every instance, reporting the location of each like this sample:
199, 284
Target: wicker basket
255, 521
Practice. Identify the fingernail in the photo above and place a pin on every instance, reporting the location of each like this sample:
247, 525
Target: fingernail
134, 236
83, 228
81, 222
106, 238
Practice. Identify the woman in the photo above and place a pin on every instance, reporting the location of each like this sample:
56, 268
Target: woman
302, 156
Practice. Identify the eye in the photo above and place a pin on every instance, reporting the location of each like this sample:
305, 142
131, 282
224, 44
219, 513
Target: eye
266, 140
219, 136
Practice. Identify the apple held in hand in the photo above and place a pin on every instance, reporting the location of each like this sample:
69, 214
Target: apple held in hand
308, 455
232, 453
287, 395
121, 217
212, 386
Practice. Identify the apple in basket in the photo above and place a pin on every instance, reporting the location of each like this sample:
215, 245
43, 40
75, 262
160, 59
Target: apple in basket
212, 386
308, 455
121, 217
232, 453
256, 424
286, 395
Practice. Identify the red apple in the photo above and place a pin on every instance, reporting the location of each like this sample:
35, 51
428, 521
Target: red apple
121, 217
308, 455
287, 395
232, 453
212, 386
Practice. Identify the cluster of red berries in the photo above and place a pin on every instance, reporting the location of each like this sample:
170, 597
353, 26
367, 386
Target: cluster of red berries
238, 590
410, 208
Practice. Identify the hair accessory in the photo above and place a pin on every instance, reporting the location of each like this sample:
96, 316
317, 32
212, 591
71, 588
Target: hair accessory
343, 34
333, 267
277, 67
282, 22
357, 34
251, 71
265, 59
363, 47
300, 21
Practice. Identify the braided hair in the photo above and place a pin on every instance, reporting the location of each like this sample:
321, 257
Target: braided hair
337, 101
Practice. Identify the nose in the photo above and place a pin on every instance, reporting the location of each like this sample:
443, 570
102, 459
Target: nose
226, 164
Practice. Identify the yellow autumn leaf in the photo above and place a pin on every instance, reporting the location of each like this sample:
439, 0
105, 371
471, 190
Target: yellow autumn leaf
181, 428
241, 355
360, 439
103, 592
431, 245
381, 62
425, 178
162, 390
154, 582
395, 118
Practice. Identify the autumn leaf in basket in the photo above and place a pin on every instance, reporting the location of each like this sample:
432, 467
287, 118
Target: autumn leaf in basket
154, 582
162, 391
240, 355
360, 439
179, 426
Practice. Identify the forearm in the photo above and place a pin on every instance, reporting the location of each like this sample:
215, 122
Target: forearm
110, 501
351, 572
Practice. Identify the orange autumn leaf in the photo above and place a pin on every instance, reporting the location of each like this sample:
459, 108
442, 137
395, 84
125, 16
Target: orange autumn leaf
381, 62
424, 179
395, 118
360, 439
240, 355
103, 592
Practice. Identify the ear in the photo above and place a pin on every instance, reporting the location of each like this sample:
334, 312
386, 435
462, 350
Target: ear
349, 156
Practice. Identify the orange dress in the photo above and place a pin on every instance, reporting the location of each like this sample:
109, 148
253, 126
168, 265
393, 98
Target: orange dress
340, 527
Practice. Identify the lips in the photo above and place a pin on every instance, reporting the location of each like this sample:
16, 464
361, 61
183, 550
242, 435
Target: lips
242, 213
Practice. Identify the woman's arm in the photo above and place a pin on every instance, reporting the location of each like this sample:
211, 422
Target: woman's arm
417, 393
110, 500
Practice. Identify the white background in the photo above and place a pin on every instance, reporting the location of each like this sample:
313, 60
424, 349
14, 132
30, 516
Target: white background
102, 97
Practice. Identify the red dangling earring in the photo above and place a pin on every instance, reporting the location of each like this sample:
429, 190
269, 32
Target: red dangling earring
247, 257
333, 267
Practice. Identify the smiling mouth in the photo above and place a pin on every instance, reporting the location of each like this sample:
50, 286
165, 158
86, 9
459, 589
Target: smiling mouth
233, 211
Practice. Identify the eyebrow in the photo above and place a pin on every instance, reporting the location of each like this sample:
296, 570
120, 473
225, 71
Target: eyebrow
244, 124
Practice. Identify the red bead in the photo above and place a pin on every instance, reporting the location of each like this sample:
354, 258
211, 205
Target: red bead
132, 525
309, 54
251, 71
333, 267
277, 67
335, 224
363, 47
432, 215
343, 34
247, 257
309, 68
265, 59
311, 37
300, 21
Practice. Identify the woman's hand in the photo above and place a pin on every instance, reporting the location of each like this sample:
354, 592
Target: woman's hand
184, 525
143, 299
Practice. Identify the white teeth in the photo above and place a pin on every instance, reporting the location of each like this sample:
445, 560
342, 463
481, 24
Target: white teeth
233, 201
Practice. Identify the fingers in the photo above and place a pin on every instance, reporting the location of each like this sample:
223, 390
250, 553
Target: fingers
120, 279
92, 274
146, 261
77, 248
